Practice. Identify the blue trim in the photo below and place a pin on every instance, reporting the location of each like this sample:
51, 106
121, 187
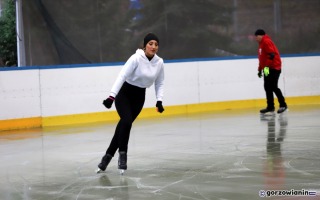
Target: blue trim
82, 65
300, 55
18, 68
166, 61
209, 59
62, 66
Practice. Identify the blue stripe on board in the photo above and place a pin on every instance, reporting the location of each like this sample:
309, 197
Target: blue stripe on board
166, 61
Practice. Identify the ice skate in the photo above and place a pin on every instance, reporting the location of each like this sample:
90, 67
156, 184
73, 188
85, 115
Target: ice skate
122, 162
282, 109
104, 163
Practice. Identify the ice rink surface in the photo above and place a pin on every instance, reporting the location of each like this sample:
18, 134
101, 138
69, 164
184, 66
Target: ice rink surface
232, 154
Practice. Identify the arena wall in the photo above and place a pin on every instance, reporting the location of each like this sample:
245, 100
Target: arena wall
72, 94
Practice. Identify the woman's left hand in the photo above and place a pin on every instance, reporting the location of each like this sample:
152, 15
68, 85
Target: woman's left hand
159, 106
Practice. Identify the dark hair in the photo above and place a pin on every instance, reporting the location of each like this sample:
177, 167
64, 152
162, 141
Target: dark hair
148, 37
259, 32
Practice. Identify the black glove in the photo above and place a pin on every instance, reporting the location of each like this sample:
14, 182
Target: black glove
159, 106
260, 74
108, 102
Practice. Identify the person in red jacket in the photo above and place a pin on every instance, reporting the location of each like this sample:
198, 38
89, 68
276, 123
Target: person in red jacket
270, 65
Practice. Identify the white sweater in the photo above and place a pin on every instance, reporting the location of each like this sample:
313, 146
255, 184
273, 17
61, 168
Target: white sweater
141, 72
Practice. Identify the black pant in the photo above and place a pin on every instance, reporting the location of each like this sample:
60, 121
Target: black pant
271, 86
129, 103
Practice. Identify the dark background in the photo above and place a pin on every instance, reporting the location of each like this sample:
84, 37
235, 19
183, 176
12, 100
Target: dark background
99, 31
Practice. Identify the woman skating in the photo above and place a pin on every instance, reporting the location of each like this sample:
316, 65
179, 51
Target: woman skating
142, 69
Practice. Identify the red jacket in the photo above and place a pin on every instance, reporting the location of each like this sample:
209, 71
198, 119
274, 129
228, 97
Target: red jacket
268, 54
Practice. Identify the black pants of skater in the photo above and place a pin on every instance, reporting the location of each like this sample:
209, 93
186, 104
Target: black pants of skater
271, 86
129, 103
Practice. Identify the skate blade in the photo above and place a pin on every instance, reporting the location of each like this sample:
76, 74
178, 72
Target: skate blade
268, 114
121, 172
98, 171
